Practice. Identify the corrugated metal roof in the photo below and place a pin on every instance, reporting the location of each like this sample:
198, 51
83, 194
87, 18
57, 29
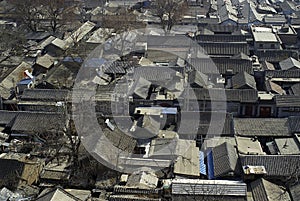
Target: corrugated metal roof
129, 197
117, 67
126, 190
208, 187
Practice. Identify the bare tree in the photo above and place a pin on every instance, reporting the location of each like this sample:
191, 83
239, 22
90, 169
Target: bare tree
54, 12
169, 12
58, 13
11, 42
123, 22
29, 12
74, 141
199, 192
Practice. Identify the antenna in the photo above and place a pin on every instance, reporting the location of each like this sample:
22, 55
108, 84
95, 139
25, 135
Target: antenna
285, 144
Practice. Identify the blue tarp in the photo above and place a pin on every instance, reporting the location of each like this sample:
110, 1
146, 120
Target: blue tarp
202, 164
25, 81
73, 59
169, 110
94, 62
210, 165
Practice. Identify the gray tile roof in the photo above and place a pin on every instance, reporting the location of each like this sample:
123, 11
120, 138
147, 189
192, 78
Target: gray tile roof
267, 65
38, 36
147, 127
62, 75
273, 127
228, 49
6, 84
58, 194
231, 95
243, 80
163, 147
10, 169
157, 74
120, 139
225, 160
263, 190
7, 116
45, 94
142, 180
276, 165
221, 65
289, 63
197, 79
140, 88
287, 146
295, 191
223, 38
30, 122
190, 124
283, 73
274, 88
296, 89
287, 101
275, 55
278, 19
294, 124
216, 28
166, 41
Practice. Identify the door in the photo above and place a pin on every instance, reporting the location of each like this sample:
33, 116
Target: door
265, 112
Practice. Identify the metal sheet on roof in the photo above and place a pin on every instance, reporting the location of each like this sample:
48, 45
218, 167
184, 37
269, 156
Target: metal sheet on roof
202, 164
